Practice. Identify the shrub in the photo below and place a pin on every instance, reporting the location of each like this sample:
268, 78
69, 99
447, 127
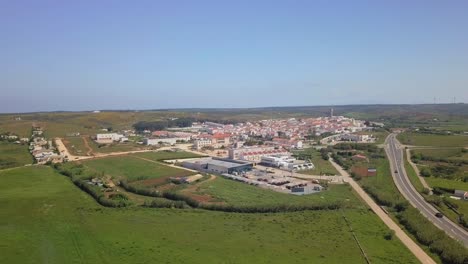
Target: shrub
425, 172
389, 235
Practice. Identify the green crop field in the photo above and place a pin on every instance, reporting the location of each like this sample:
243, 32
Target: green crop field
44, 218
14, 155
241, 194
133, 168
416, 139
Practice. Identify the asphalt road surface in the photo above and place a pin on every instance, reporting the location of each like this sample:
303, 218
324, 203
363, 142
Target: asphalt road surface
395, 155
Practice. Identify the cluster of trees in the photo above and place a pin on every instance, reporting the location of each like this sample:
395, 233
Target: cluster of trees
345, 164
444, 171
97, 193
355, 146
163, 124
449, 250
80, 177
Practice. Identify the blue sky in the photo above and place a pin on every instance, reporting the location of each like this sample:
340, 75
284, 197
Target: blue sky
85, 55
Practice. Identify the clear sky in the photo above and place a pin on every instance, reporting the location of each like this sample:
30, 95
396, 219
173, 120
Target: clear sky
86, 55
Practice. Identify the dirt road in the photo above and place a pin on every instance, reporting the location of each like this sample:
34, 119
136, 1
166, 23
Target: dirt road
404, 238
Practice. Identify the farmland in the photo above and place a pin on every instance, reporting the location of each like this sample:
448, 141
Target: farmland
58, 223
417, 139
133, 169
76, 146
14, 155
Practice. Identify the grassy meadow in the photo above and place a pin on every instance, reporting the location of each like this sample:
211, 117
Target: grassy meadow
58, 223
133, 168
14, 155
416, 139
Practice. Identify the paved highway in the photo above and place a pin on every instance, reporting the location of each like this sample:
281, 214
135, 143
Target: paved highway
395, 155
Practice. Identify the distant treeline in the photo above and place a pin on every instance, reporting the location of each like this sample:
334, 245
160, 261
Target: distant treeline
163, 124
180, 122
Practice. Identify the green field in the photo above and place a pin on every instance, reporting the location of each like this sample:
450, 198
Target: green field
452, 153
444, 183
416, 139
241, 194
133, 168
58, 223
114, 147
321, 166
75, 145
166, 155
14, 155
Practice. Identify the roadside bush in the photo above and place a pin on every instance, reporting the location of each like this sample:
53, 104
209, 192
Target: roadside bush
401, 206
450, 251
389, 235
425, 172
426, 191
382, 198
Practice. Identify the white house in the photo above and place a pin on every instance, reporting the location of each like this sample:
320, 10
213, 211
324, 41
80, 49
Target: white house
109, 137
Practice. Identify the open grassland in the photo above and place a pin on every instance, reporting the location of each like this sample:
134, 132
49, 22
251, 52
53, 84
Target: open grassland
114, 147
14, 155
240, 194
133, 169
451, 153
446, 184
416, 139
58, 223
76, 146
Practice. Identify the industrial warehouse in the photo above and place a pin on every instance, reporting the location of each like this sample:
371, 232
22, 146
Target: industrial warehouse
217, 165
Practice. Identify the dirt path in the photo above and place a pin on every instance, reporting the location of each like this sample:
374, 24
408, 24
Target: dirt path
86, 143
416, 170
404, 238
